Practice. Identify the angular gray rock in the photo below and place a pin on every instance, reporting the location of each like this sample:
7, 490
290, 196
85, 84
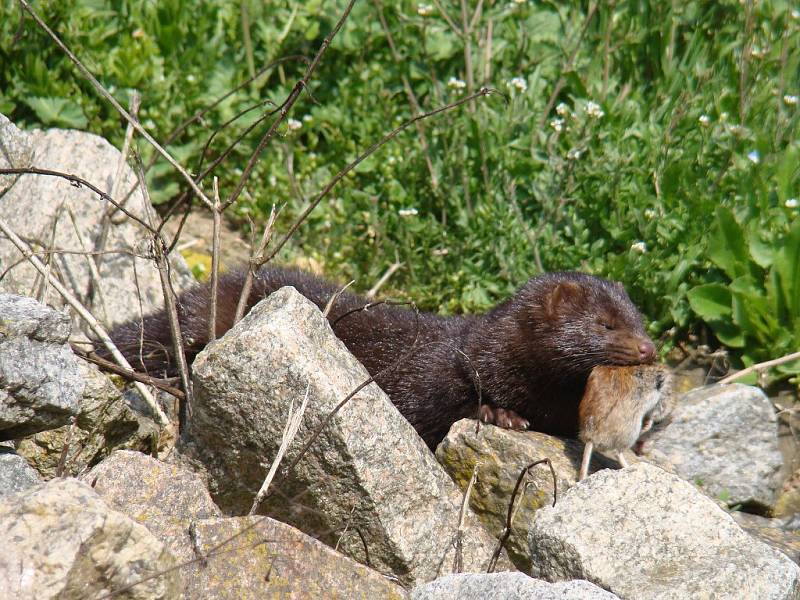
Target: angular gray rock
104, 423
506, 586
37, 207
252, 558
643, 533
165, 498
15, 151
724, 439
40, 383
500, 455
60, 540
16, 474
368, 474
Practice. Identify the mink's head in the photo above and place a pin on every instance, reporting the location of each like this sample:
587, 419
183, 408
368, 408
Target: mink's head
579, 321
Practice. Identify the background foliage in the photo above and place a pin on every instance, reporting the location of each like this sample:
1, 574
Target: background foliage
667, 159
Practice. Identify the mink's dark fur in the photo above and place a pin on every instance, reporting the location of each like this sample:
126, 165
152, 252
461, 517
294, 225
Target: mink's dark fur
532, 353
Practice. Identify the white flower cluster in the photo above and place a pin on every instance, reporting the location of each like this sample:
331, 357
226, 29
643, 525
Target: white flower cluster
593, 110
408, 212
557, 125
424, 10
562, 110
639, 247
293, 124
791, 203
519, 83
790, 100
704, 120
456, 84
754, 157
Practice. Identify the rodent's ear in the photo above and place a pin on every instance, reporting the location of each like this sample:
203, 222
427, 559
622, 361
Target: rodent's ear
565, 292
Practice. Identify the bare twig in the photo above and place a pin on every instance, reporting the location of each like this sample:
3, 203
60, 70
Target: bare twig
334, 298
458, 558
384, 278
256, 262
762, 366
215, 249
128, 374
512, 510
62, 460
293, 421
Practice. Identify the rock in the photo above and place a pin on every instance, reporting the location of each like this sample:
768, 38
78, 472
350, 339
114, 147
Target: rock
368, 474
788, 501
643, 533
104, 423
38, 207
15, 473
250, 558
724, 439
165, 498
15, 152
506, 586
61, 541
501, 454
40, 383
777, 533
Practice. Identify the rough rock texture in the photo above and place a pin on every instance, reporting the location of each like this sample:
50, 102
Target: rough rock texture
506, 586
250, 558
368, 472
37, 207
501, 454
15, 473
104, 423
724, 439
40, 383
15, 151
643, 533
778, 533
165, 498
60, 540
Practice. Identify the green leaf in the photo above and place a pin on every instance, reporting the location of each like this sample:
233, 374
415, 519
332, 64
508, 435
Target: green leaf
727, 247
59, 112
711, 301
787, 265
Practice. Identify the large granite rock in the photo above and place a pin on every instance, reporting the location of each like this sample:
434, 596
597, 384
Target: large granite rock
16, 474
724, 439
368, 474
500, 455
37, 208
60, 540
40, 383
506, 586
105, 422
643, 533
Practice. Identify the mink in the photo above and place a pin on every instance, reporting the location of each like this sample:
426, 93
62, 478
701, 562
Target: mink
619, 405
525, 362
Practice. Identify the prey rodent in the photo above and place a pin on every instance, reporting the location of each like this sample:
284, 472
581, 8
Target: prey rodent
527, 359
619, 404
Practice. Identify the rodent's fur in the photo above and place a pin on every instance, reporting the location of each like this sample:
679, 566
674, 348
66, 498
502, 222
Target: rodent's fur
619, 404
530, 355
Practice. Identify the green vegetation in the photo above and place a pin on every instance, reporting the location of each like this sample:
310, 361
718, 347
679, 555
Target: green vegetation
668, 158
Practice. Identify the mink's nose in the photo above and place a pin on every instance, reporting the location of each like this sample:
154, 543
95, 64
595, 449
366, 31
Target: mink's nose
647, 352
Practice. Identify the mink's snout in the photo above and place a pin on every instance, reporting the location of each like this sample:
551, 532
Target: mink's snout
647, 352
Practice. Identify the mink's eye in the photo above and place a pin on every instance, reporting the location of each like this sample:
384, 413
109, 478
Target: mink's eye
607, 325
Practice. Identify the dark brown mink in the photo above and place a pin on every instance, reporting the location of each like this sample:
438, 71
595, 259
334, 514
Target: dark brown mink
530, 356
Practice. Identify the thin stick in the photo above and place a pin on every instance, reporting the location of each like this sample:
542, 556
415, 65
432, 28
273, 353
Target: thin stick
334, 298
384, 278
256, 261
458, 559
289, 432
95, 274
215, 242
760, 367
104, 93
130, 375
93, 323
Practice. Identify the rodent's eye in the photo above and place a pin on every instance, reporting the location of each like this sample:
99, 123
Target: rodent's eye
607, 325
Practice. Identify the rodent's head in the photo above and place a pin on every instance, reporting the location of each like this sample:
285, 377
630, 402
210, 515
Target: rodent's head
589, 320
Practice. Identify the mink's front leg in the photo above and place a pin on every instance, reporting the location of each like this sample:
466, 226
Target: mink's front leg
502, 417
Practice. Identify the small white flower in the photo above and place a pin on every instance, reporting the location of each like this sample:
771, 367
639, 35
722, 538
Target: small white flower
191, 78
738, 130
562, 109
307, 118
639, 247
293, 124
790, 100
723, 116
456, 84
408, 212
795, 14
440, 252
574, 154
273, 181
424, 10
593, 110
650, 213
791, 203
557, 125
754, 157
757, 52
519, 83
704, 120
391, 160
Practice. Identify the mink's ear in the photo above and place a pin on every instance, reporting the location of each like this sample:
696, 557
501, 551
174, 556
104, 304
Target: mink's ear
565, 292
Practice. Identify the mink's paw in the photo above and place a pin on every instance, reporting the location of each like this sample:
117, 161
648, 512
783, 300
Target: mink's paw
502, 417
